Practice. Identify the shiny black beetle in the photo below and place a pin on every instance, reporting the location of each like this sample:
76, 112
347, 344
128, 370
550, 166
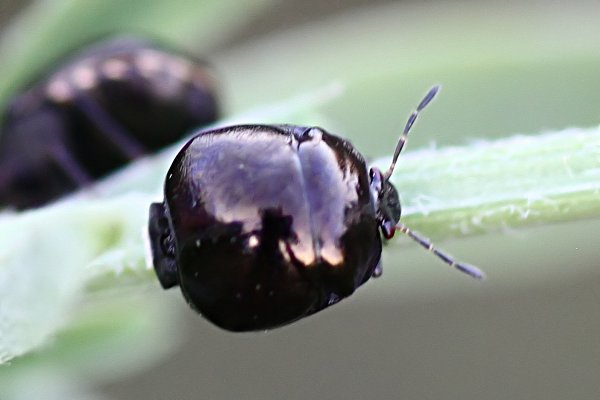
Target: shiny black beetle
114, 101
263, 225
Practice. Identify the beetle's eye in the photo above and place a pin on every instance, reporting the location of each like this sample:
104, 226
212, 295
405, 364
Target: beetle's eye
389, 203
387, 229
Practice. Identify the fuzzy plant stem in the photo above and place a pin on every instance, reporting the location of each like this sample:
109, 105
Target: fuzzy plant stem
508, 183
53, 257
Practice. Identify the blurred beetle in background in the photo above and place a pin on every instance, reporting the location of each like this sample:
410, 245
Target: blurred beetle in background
112, 102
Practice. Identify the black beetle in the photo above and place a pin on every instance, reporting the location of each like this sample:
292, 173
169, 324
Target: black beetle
112, 102
265, 224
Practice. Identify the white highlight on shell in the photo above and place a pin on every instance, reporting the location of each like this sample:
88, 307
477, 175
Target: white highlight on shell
84, 77
165, 72
253, 241
59, 90
114, 69
149, 62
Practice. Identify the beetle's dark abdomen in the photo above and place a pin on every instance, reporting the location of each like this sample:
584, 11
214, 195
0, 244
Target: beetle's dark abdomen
270, 224
122, 88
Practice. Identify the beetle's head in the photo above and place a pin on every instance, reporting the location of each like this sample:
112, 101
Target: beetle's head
387, 202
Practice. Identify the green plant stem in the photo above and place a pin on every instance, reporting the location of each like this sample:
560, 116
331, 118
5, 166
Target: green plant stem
507, 183
452, 192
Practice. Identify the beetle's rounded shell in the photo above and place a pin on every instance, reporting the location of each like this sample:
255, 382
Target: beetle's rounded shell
263, 225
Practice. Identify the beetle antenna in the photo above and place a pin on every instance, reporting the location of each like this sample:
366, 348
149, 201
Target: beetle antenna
411, 120
445, 257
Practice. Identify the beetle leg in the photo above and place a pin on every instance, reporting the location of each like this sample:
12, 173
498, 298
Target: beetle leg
70, 166
119, 137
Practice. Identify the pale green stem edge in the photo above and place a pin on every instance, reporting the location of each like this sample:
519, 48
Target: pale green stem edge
507, 183
452, 192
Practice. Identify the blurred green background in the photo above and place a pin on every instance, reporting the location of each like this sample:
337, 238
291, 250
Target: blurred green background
421, 331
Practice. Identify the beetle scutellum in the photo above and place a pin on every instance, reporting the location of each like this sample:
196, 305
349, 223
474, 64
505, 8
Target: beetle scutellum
262, 225
107, 105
